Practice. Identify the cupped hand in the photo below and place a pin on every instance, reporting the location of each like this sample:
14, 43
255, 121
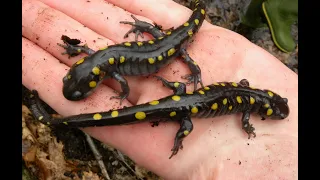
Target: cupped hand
217, 148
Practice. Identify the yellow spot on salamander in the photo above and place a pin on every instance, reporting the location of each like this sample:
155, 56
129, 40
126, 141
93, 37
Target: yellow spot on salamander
189, 92
48, 123
196, 21
195, 63
173, 113
140, 115
96, 71
224, 101
97, 116
270, 93
65, 123
114, 114
139, 43
92, 84
127, 44
267, 105
206, 88
194, 110
203, 11
176, 84
69, 76
160, 58
104, 48
269, 112
151, 42
252, 100
40, 118
201, 92
186, 132
186, 24
234, 84
214, 106
216, 84
195, 9
223, 84
155, 102
151, 60
171, 51
239, 100
80, 61
122, 59
190, 33
111, 60
230, 108
176, 98
160, 37
168, 33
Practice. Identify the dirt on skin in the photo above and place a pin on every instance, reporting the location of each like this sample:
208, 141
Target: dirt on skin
52, 153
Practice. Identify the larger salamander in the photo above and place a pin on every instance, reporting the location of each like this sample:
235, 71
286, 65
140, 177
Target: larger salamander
132, 58
214, 100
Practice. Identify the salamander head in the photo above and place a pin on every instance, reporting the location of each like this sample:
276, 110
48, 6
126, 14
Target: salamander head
81, 80
276, 109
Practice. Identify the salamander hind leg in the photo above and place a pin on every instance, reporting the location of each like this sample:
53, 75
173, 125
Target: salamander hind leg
186, 128
246, 126
195, 75
73, 48
177, 87
138, 27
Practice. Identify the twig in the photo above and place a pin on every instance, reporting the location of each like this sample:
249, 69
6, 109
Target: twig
98, 156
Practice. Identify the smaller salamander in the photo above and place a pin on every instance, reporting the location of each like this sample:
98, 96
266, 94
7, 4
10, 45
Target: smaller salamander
217, 99
134, 58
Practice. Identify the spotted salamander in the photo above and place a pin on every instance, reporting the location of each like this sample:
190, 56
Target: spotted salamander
217, 99
132, 58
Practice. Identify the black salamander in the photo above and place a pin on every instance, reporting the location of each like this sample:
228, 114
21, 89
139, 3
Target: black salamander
132, 58
214, 100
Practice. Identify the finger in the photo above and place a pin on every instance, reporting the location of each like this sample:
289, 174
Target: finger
164, 12
103, 18
44, 25
45, 29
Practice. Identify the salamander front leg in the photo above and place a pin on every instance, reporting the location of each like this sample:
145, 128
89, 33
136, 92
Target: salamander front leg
72, 48
138, 27
248, 128
186, 127
124, 86
177, 87
195, 75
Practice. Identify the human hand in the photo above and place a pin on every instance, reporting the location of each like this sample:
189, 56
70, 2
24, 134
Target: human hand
216, 145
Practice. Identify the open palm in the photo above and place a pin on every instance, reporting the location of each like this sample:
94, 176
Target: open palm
216, 146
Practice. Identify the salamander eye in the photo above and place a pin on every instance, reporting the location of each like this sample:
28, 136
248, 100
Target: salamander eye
76, 94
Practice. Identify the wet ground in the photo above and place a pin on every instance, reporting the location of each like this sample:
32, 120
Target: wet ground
70, 157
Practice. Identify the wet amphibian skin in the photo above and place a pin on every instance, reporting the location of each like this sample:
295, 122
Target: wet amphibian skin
137, 58
217, 99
